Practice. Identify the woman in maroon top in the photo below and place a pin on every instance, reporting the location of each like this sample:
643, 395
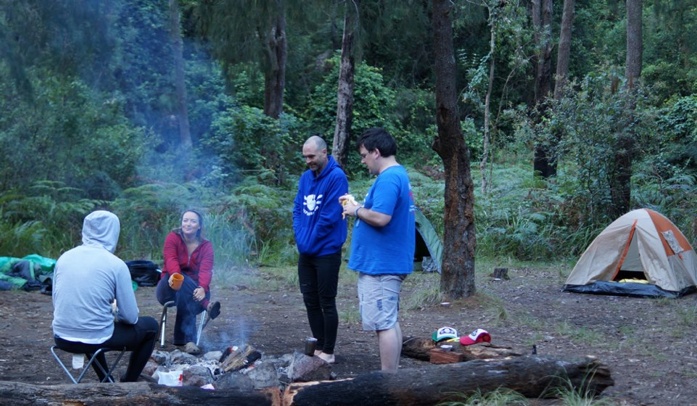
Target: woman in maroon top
186, 252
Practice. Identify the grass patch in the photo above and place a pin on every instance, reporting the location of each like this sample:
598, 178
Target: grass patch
687, 317
276, 278
421, 290
579, 334
500, 397
577, 396
350, 315
232, 275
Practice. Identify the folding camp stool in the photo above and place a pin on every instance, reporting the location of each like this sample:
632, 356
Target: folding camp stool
163, 323
93, 360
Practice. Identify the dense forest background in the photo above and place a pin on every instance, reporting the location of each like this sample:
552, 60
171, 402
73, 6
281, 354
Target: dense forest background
146, 107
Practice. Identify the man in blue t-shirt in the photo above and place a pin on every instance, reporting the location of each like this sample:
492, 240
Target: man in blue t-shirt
383, 242
320, 232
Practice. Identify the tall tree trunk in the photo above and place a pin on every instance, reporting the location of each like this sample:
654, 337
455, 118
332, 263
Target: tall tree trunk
544, 67
344, 108
487, 100
180, 82
275, 75
275, 83
621, 188
564, 51
634, 43
542, 24
457, 277
544, 162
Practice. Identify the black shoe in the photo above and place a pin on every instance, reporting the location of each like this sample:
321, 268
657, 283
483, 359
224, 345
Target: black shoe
214, 310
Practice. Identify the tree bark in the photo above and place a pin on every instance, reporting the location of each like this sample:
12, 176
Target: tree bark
621, 188
275, 83
344, 108
179, 79
544, 163
126, 394
532, 377
487, 100
634, 43
564, 51
275, 74
457, 276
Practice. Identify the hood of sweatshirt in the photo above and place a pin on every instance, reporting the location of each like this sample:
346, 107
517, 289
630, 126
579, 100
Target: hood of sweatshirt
331, 163
101, 229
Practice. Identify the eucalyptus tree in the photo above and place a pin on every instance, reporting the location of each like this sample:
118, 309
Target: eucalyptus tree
544, 163
626, 143
179, 80
375, 30
634, 43
458, 268
251, 31
506, 57
564, 49
344, 105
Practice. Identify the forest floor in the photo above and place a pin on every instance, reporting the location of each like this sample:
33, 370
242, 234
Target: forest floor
649, 345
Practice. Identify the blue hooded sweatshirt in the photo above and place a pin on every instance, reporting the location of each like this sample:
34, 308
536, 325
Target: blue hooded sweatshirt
319, 228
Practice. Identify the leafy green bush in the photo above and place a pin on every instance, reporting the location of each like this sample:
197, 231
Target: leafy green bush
266, 214
67, 133
249, 142
45, 219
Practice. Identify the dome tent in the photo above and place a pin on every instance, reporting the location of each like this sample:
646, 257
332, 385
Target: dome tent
641, 254
427, 242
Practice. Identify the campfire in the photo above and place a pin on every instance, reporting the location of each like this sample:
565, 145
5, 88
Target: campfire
238, 367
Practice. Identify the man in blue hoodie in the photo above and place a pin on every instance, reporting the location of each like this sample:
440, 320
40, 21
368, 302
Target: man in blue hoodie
86, 281
320, 232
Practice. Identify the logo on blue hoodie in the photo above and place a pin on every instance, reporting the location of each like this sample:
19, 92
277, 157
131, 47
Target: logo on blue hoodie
311, 203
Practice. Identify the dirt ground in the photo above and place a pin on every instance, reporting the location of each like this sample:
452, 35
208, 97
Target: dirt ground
648, 344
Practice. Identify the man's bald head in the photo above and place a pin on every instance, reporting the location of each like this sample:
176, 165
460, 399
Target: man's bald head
315, 154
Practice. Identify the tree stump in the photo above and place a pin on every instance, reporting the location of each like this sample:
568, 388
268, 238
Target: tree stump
501, 273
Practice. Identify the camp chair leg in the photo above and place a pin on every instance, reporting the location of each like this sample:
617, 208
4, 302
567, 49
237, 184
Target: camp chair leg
163, 321
107, 372
201, 324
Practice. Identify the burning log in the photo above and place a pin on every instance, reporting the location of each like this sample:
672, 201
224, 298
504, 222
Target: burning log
238, 358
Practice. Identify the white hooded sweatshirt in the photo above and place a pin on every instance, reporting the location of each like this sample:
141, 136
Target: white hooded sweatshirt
87, 279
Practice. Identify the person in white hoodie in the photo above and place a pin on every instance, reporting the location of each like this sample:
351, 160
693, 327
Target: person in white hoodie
86, 281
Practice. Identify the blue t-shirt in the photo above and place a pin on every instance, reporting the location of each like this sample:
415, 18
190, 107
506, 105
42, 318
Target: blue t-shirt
389, 249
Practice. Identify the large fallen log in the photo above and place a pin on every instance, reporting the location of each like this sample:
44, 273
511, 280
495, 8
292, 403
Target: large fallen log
531, 376
138, 393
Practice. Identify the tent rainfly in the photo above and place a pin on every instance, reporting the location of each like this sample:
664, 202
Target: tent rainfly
641, 254
427, 242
